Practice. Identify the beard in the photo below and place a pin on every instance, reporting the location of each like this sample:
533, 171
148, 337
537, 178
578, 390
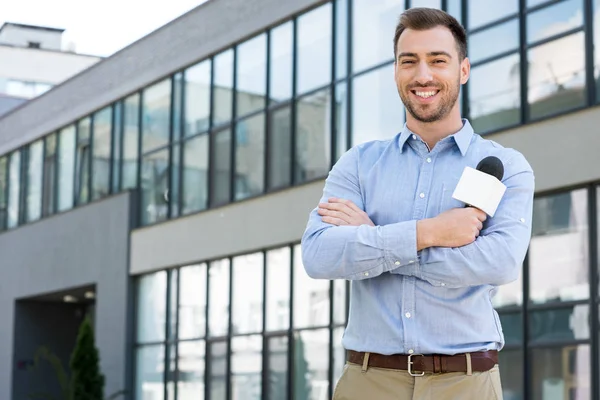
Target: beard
430, 112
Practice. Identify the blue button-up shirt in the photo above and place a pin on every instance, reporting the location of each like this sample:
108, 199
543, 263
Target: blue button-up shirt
437, 300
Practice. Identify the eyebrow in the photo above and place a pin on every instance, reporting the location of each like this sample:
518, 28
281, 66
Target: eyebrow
430, 54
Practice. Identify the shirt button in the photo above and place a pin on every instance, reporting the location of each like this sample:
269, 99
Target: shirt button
428, 159
411, 261
422, 195
414, 137
366, 274
407, 315
443, 284
397, 263
411, 351
522, 219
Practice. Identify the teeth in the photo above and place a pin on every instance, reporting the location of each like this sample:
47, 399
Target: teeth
426, 94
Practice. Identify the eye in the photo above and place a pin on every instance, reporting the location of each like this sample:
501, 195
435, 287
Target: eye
439, 61
408, 62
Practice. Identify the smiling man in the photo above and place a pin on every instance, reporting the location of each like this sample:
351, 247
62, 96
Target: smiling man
423, 267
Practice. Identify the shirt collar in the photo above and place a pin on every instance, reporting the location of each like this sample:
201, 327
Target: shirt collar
462, 138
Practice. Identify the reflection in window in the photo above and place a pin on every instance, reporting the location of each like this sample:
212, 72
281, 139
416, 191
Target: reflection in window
14, 188
102, 149
483, 12
151, 307
218, 303
512, 327
311, 297
505, 38
313, 127
192, 302
280, 73
131, 130
117, 141
250, 157
557, 76
149, 372
454, 8
280, 139
511, 373
223, 87
83, 161
3, 191
561, 372
221, 167
563, 324
278, 289
197, 98
558, 252
34, 180
341, 118
314, 49
377, 111
191, 370
341, 38
66, 168
251, 75
195, 175
155, 182
156, 115
247, 307
218, 371
373, 25
494, 100
246, 368
277, 367
174, 191
554, 20
311, 381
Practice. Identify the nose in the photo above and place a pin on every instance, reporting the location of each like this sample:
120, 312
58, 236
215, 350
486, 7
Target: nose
423, 73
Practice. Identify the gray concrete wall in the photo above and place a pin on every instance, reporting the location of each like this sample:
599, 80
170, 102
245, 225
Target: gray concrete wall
85, 246
203, 31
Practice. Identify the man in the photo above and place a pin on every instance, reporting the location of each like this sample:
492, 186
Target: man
423, 266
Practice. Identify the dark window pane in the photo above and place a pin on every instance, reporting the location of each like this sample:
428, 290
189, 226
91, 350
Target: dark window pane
149, 378
455, 9
197, 98
101, 149
373, 25
280, 74
34, 180
426, 3
563, 324
191, 370
313, 136
554, 20
494, 99
14, 188
596, 13
173, 287
174, 191
221, 167
223, 87
341, 38
250, 157
277, 361
314, 49
155, 182
247, 307
251, 75
278, 289
218, 371
83, 161
511, 373
533, 3
3, 191
218, 303
246, 368
192, 302
512, 327
556, 85
505, 38
311, 297
280, 151
482, 12
117, 142
195, 175
561, 373
151, 307
50, 170
131, 130
341, 118
558, 252
156, 115
377, 111
310, 370
66, 168
177, 109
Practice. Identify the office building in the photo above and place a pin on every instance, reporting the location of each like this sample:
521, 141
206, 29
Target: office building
165, 192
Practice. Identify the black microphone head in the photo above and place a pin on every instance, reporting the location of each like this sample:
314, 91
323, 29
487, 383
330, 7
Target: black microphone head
492, 166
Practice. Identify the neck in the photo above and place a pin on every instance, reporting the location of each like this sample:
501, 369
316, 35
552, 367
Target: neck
433, 132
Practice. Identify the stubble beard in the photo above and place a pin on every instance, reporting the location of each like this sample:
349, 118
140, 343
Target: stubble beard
425, 113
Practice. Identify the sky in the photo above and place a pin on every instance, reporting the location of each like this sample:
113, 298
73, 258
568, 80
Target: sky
96, 27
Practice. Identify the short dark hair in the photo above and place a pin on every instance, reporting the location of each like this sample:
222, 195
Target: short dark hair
421, 18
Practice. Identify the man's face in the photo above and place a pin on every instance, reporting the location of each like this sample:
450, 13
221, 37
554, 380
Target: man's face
428, 73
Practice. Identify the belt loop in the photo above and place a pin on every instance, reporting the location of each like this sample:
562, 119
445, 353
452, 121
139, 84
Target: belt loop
365, 365
469, 367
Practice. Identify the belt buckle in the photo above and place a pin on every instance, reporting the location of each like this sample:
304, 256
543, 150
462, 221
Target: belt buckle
410, 363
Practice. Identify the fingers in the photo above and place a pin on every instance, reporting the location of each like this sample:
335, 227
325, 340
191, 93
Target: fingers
334, 214
334, 221
348, 203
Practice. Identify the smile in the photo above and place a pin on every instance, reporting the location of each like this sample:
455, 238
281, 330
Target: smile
427, 94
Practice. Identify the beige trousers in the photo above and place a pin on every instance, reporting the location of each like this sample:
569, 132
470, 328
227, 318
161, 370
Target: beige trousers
391, 384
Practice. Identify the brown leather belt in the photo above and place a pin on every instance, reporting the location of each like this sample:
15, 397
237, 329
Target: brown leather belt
436, 363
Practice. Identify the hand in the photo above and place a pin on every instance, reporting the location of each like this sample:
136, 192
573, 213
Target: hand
452, 228
343, 212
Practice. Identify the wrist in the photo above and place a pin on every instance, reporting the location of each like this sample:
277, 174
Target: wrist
425, 234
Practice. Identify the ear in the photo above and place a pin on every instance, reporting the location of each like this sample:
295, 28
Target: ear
465, 70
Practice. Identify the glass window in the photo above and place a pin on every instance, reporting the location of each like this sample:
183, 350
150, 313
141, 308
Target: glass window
454, 8
156, 115
218, 371
377, 111
313, 136
563, 324
14, 189
50, 171
311, 371
504, 36
221, 167
558, 255
34, 180
149, 376
280, 74
102, 149
373, 26
277, 367
191, 363
494, 94
339, 301
131, 134
483, 12
596, 17
83, 159
195, 174
512, 327
174, 191
339, 355
554, 20
278, 289
197, 98
3, 191
341, 118
426, 3
192, 302
247, 307
223, 87
561, 372
251, 75
173, 289
152, 307
510, 294
246, 368
66, 168
218, 304
533, 3
311, 297
557, 76
177, 111
280, 150
155, 183
117, 142
341, 38
511, 373
250, 157
314, 49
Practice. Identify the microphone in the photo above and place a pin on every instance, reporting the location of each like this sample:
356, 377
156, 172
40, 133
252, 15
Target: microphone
482, 187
